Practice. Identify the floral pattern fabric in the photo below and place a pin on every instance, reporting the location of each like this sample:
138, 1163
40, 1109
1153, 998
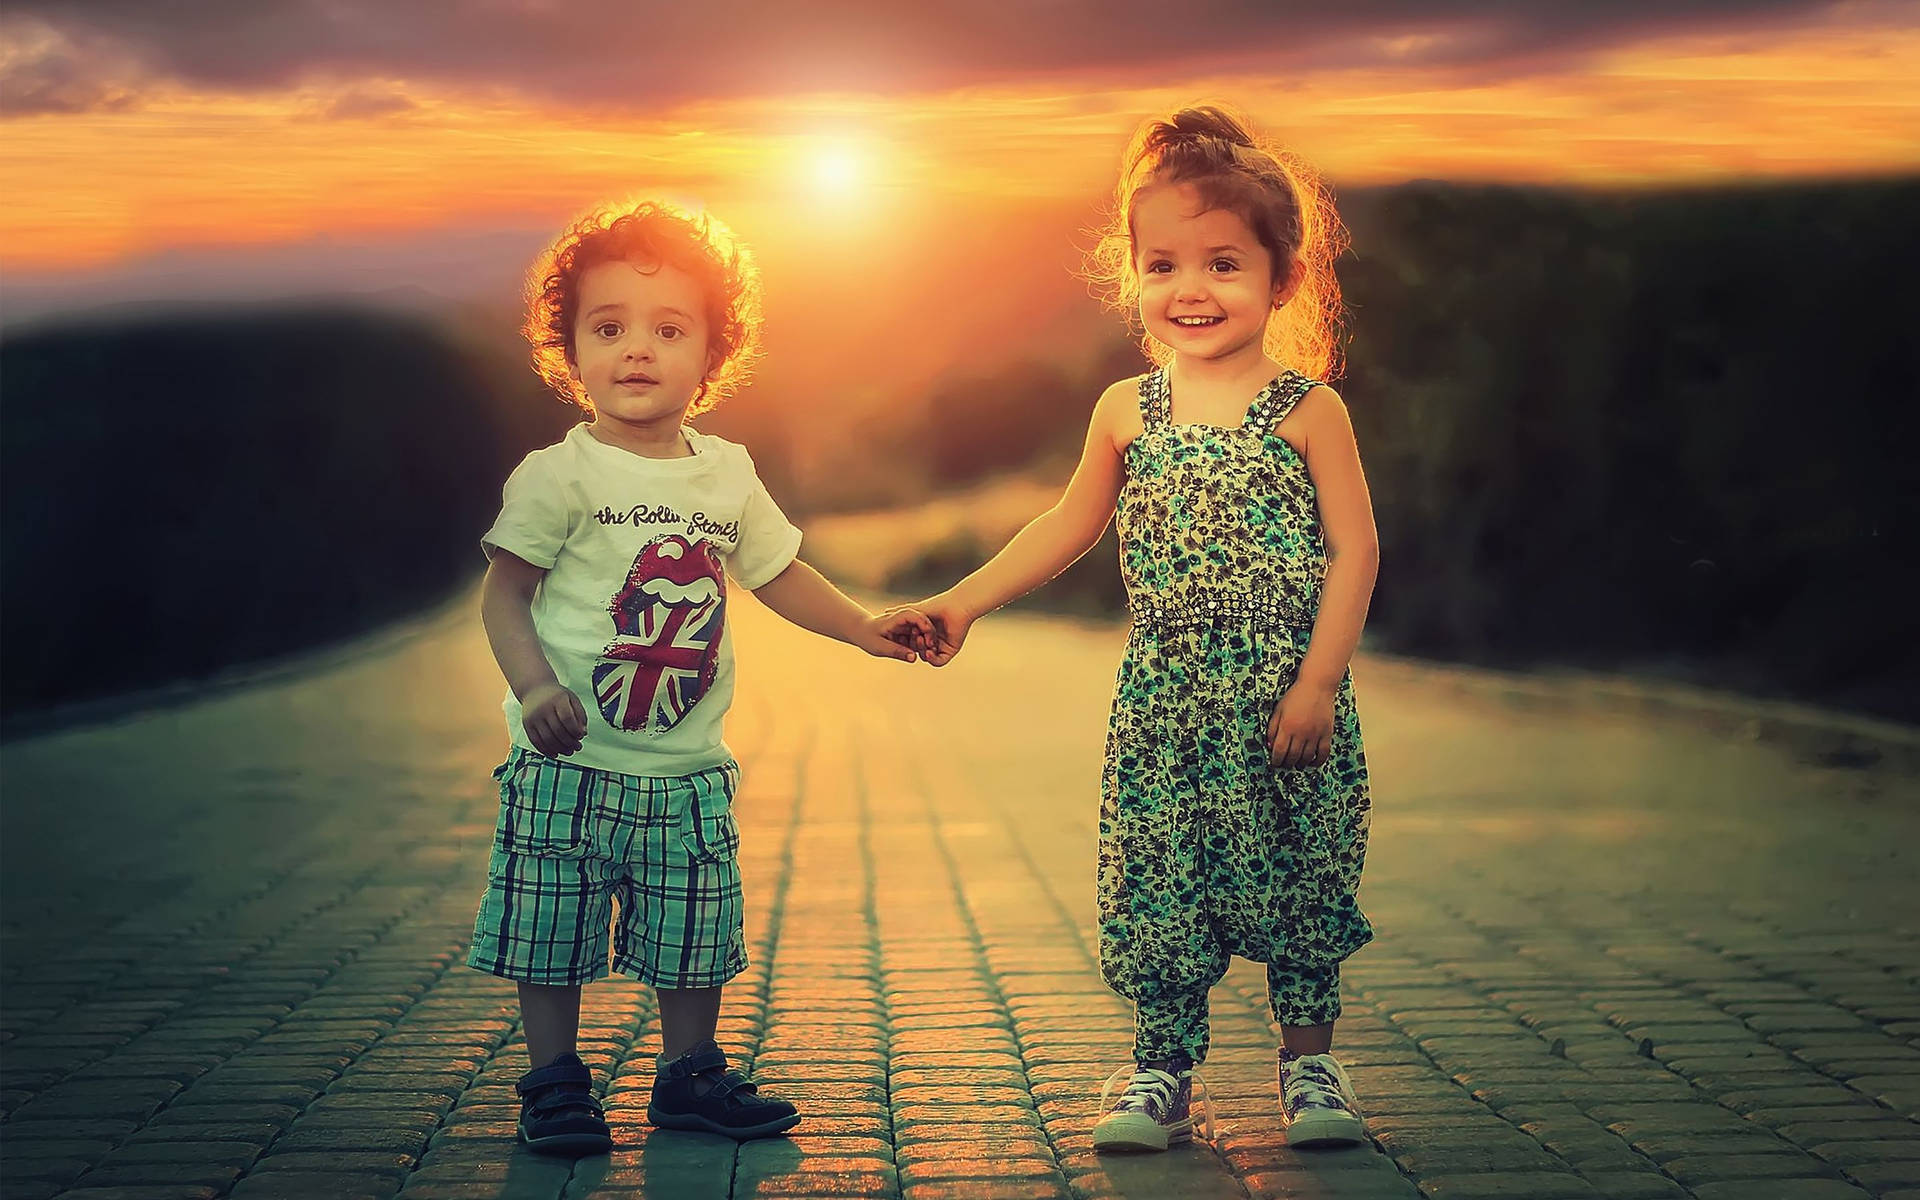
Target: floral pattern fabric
1207, 849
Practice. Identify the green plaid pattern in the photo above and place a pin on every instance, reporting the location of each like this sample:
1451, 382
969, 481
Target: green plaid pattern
575, 843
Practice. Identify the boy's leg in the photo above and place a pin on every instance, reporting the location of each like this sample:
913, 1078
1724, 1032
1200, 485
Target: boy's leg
559, 1113
688, 1017
545, 916
550, 1017
693, 1086
686, 928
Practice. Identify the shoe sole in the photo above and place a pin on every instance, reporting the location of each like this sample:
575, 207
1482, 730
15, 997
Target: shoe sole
1326, 1129
569, 1145
695, 1123
1137, 1133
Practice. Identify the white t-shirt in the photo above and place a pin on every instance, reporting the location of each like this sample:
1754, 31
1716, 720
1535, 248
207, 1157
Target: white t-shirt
632, 613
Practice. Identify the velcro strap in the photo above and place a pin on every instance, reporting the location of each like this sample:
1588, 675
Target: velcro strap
697, 1062
556, 1100
552, 1074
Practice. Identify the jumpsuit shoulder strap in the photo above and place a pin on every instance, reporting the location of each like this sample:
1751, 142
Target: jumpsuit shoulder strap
1277, 399
1155, 398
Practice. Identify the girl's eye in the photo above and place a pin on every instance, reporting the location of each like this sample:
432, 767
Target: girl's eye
671, 333
607, 329
1160, 267
1223, 265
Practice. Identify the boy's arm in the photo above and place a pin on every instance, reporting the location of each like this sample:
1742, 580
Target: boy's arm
552, 716
802, 595
1052, 541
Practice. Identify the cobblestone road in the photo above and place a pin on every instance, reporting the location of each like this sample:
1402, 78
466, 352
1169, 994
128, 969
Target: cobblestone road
1619, 956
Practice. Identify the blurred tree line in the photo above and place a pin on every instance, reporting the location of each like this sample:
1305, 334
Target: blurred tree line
1669, 431
183, 493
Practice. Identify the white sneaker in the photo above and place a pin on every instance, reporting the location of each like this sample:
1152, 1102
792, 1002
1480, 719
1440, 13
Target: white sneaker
1316, 1098
1153, 1112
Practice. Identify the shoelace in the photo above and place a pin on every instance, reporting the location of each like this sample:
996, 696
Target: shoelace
1148, 1091
1157, 1087
1312, 1084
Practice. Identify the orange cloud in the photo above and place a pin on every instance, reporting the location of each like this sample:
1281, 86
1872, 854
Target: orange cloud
191, 169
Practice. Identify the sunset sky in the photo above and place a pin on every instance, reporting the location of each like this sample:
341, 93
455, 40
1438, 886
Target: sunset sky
156, 143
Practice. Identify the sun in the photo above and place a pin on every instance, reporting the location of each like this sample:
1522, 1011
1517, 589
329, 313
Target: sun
836, 169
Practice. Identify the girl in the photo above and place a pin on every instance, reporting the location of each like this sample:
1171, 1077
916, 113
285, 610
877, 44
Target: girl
1234, 803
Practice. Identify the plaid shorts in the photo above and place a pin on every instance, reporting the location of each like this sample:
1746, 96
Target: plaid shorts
574, 841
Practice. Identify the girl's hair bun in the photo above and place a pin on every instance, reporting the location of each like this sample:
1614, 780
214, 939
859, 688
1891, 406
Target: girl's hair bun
1204, 121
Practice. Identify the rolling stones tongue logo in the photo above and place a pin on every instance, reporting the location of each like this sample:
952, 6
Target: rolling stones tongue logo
667, 622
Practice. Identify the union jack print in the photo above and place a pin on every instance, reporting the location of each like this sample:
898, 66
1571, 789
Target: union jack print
668, 619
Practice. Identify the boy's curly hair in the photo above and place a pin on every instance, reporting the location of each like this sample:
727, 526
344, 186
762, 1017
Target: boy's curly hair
1280, 197
647, 231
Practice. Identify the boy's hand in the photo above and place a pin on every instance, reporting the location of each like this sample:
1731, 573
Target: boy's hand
1300, 732
553, 719
899, 632
950, 625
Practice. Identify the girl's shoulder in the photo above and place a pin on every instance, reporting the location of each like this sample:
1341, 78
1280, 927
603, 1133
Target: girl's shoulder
1317, 421
1125, 393
1319, 403
1119, 412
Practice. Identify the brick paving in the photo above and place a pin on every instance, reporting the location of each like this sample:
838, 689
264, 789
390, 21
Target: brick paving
1619, 956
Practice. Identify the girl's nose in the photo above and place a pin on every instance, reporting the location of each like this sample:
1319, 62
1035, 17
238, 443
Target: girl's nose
1190, 287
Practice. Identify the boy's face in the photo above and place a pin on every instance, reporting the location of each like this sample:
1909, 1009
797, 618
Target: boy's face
1206, 282
640, 342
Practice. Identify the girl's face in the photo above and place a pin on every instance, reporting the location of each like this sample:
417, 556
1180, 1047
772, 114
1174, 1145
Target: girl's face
640, 342
1206, 282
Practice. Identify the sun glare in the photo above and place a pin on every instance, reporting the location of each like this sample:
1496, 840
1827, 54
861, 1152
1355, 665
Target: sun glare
836, 169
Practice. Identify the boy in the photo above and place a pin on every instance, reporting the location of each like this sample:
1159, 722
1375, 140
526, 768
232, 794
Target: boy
605, 603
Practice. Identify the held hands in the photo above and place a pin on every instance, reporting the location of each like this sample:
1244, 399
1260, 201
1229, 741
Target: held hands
553, 719
898, 632
1300, 733
949, 623
930, 631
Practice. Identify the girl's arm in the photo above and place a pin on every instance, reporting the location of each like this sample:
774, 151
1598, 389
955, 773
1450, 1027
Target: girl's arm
552, 716
1052, 541
1302, 726
803, 595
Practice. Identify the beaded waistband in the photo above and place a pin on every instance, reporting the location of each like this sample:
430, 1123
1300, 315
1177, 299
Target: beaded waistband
1189, 609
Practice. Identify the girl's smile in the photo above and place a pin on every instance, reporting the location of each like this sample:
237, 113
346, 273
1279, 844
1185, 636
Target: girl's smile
1206, 282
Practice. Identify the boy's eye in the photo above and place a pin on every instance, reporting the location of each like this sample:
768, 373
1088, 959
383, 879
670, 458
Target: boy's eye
1222, 265
607, 329
672, 333
1159, 267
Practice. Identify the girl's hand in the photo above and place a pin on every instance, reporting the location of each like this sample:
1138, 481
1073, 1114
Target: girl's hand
553, 719
899, 632
950, 625
1300, 733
